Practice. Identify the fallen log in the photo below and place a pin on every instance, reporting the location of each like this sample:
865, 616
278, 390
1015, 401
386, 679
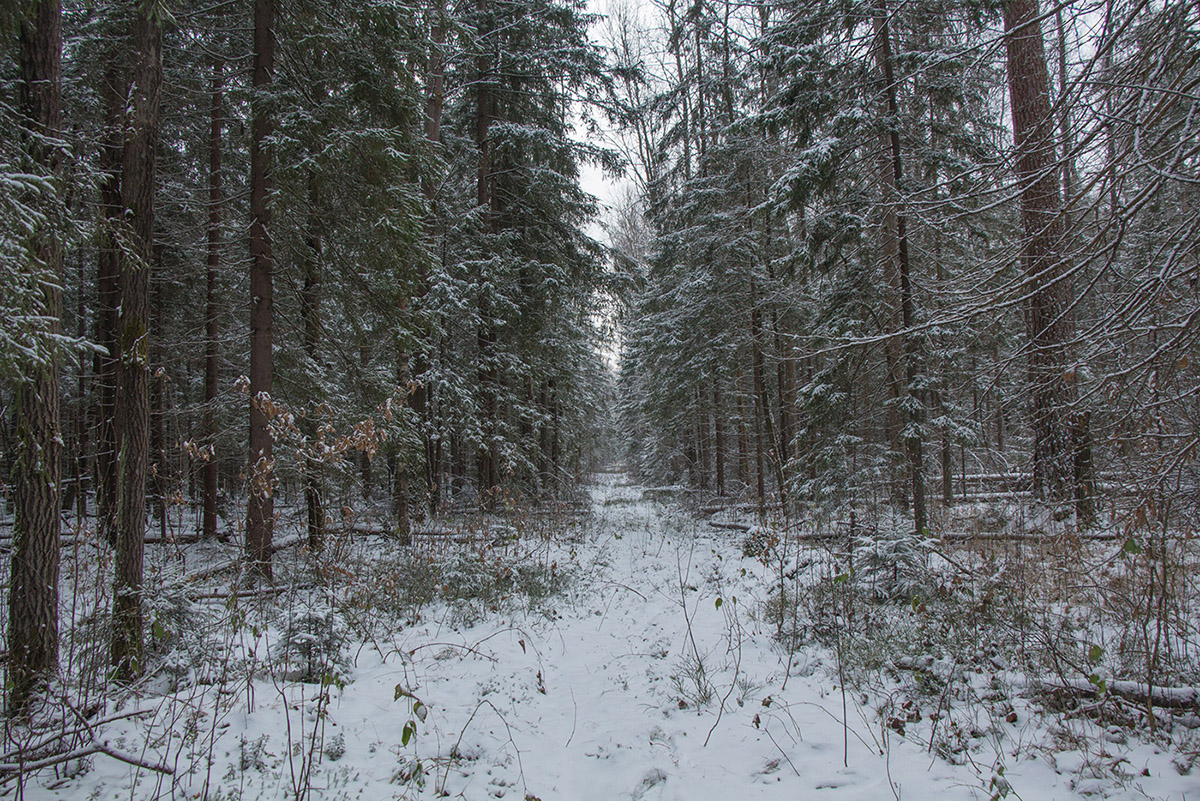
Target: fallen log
729, 525
1142, 693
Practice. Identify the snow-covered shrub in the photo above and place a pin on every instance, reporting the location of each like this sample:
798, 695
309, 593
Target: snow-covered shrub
335, 748
475, 582
172, 620
395, 588
892, 566
312, 641
782, 610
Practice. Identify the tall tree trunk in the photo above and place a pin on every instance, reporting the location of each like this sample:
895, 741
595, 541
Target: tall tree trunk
310, 313
763, 400
411, 366
212, 329
485, 338
33, 588
1050, 324
1080, 422
676, 48
133, 407
1069, 177
556, 465
718, 434
785, 384
896, 234
545, 470
743, 435
81, 419
159, 475
115, 89
702, 439
260, 507
947, 457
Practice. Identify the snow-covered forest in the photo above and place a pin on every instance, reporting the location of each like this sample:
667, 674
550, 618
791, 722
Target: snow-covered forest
841, 439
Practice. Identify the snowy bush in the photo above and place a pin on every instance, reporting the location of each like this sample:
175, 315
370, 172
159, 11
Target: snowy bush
313, 640
892, 566
471, 582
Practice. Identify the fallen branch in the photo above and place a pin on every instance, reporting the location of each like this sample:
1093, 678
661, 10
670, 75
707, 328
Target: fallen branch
727, 525
9, 769
45, 743
1165, 697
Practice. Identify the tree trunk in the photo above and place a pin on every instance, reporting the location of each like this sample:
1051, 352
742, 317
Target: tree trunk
545, 468
702, 439
260, 508
485, 337
718, 435
785, 383
743, 435
411, 366
1050, 325
310, 313
763, 399
1085, 470
81, 419
115, 89
1069, 177
133, 407
212, 329
896, 235
159, 475
33, 588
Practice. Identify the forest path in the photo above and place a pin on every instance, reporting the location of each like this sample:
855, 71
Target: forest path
633, 684
597, 700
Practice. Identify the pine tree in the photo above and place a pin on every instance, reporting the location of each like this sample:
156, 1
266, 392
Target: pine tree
1050, 321
33, 591
260, 510
138, 185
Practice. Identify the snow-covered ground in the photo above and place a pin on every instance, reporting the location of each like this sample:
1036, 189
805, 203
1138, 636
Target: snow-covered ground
653, 677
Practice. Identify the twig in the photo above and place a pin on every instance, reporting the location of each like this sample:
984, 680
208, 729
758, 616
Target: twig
135, 761
59, 736
737, 667
14, 768
781, 751
466, 648
454, 751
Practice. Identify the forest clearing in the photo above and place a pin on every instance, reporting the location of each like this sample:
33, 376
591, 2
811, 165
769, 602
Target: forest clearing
527, 399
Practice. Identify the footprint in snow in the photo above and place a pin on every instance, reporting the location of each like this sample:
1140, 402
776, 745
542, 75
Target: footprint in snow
652, 779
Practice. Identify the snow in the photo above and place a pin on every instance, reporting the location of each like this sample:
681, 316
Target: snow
654, 676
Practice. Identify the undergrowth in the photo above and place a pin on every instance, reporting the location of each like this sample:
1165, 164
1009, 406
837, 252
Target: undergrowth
220, 643
962, 644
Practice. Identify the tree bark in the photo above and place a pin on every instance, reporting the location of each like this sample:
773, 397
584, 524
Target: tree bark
159, 470
896, 235
1050, 325
411, 366
33, 589
486, 468
212, 329
743, 436
718, 435
702, 439
761, 397
133, 407
310, 312
260, 507
81, 418
115, 89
